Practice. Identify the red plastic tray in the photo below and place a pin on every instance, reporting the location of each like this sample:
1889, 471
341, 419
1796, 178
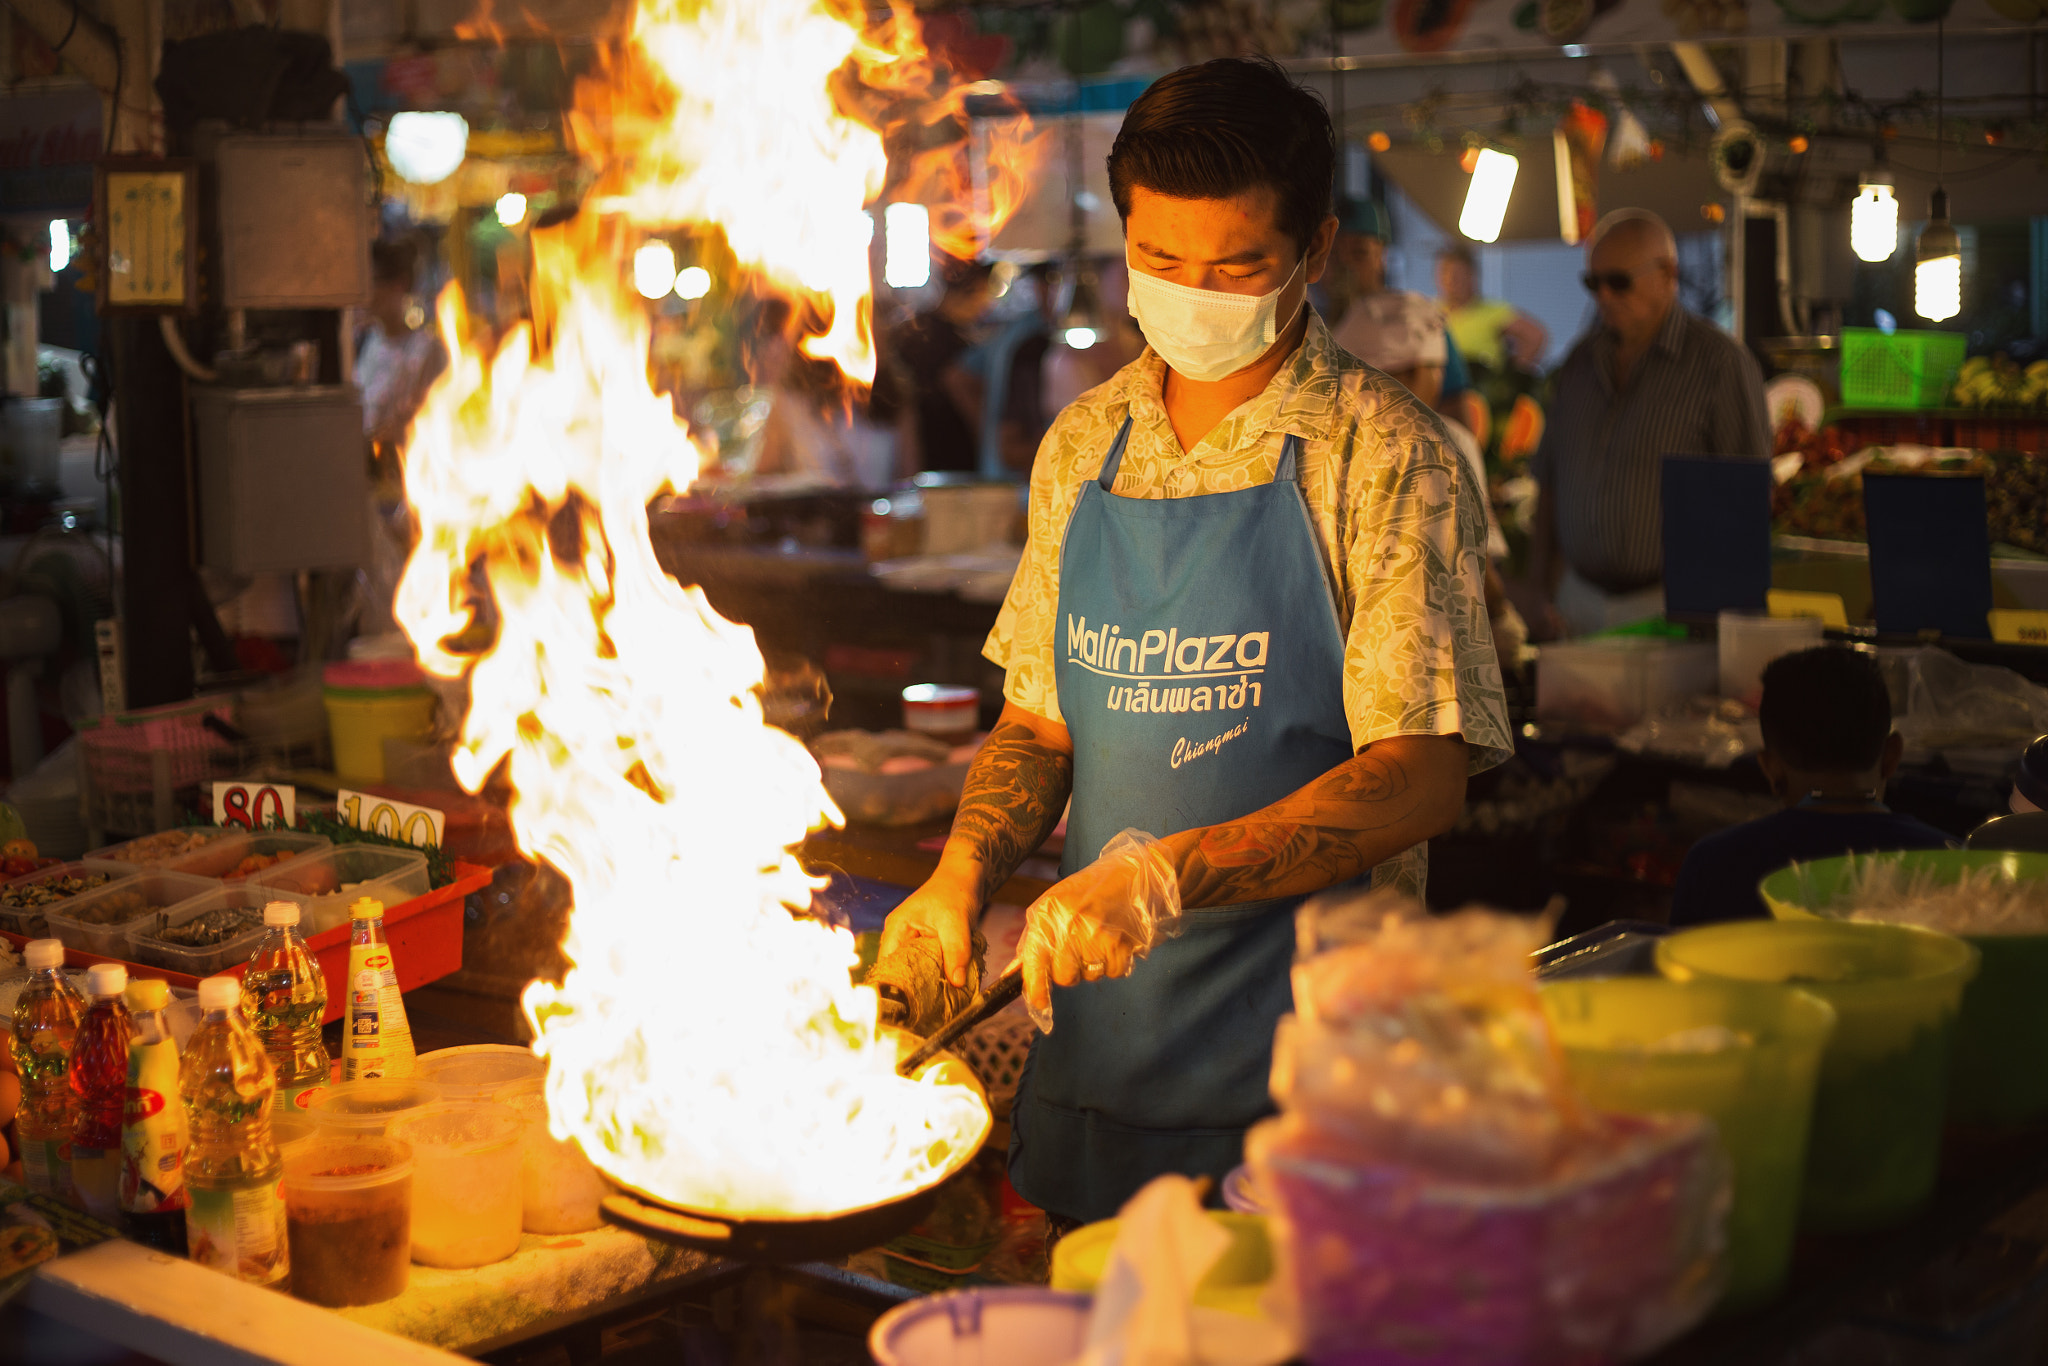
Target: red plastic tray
425, 935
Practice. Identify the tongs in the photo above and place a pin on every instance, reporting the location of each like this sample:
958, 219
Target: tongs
991, 999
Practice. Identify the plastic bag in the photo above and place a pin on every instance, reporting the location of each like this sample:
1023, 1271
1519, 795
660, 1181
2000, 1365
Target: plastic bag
1951, 704
1100, 921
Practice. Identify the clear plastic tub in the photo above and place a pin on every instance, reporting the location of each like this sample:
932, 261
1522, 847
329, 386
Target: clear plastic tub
98, 921
225, 858
1878, 1108
1610, 683
1643, 1045
348, 1212
25, 903
146, 943
329, 880
479, 1071
1749, 642
165, 848
559, 1190
369, 1108
467, 1209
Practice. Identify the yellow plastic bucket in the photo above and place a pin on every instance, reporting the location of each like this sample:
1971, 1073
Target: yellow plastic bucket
1878, 1108
1235, 1283
1639, 1045
360, 720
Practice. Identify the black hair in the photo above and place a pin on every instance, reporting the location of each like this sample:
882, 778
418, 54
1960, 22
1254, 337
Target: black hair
1217, 130
394, 261
1826, 710
1458, 251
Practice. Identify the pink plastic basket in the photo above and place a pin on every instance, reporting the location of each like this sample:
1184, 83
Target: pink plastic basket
121, 752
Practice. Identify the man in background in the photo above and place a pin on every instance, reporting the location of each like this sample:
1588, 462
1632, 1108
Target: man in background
1648, 380
1491, 333
912, 388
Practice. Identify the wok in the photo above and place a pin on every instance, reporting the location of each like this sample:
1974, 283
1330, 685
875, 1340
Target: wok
824, 1237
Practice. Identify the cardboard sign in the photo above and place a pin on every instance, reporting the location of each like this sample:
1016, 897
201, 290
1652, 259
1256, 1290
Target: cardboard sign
2014, 626
420, 826
255, 806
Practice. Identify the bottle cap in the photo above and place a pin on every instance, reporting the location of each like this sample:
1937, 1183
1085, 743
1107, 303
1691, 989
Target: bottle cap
43, 953
281, 913
148, 993
366, 908
106, 979
220, 993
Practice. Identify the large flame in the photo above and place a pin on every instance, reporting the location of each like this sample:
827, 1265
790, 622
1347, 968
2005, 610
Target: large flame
705, 1047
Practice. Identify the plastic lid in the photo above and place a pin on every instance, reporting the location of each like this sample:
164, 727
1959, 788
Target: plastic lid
363, 908
147, 993
219, 993
106, 979
43, 953
345, 1162
281, 913
371, 675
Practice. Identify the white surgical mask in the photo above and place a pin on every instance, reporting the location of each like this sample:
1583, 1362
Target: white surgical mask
1205, 334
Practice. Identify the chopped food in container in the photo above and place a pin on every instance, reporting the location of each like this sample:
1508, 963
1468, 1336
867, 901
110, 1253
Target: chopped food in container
152, 851
98, 921
25, 902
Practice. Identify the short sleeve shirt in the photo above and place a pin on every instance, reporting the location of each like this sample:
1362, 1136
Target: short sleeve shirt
1401, 529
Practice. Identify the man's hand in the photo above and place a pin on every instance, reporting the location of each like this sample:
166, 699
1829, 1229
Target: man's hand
944, 910
1100, 921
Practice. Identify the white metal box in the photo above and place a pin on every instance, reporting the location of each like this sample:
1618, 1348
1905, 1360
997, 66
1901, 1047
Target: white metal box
284, 478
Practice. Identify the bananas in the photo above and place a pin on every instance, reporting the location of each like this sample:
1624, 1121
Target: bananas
1996, 382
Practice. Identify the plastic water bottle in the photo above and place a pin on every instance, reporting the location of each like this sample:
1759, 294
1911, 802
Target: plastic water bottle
99, 1078
234, 1178
379, 1040
45, 1029
154, 1135
285, 996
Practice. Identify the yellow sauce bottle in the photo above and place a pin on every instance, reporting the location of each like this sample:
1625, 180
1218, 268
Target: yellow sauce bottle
379, 1041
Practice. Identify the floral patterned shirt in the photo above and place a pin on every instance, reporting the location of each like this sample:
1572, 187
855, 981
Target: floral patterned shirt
1402, 530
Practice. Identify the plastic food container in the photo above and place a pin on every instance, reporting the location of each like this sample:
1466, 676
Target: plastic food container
1749, 642
329, 880
25, 903
1642, 1045
146, 942
466, 1211
369, 701
369, 1108
1234, 1283
479, 1071
163, 848
559, 1190
348, 1214
1999, 1074
1878, 1108
951, 713
291, 1131
229, 859
1612, 682
98, 921
1007, 1325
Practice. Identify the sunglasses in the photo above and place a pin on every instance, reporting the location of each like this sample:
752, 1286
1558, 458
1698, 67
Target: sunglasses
1613, 281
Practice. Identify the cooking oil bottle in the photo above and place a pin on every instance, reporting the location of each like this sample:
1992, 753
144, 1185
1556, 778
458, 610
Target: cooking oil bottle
379, 1041
45, 1028
284, 995
99, 1078
234, 1178
154, 1135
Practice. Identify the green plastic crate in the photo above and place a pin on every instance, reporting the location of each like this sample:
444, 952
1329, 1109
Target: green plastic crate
1904, 369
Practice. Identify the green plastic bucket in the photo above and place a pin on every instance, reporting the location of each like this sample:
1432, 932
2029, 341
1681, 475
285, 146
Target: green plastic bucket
1878, 1108
1618, 1038
1999, 1074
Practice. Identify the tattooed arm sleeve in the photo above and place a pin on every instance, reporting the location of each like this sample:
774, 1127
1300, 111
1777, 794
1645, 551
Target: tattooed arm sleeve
1391, 795
1014, 795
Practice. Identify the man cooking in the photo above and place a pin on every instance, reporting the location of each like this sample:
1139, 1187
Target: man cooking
1649, 380
1249, 621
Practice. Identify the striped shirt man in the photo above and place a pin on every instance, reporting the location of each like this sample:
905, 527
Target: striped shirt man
1694, 392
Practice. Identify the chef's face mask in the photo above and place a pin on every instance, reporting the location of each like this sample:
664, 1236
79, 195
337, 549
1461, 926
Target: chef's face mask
1205, 334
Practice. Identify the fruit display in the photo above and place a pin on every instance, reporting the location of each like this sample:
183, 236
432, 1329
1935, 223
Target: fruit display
2016, 491
1822, 496
1997, 382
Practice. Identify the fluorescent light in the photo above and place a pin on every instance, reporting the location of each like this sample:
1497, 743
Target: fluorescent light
60, 244
1486, 199
1874, 218
425, 148
907, 246
654, 269
1938, 272
511, 210
1081, 338
693, 282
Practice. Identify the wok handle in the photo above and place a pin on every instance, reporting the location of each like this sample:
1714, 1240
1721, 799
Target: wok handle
1006, 989
682, 1225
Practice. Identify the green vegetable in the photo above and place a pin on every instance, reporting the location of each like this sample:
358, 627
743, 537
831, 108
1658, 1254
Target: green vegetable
439, 871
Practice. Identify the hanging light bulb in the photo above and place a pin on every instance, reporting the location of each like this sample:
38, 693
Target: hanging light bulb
426, 147
1081, 321
1874, 216
907, 246
654, 269
1938, 276
1486, 199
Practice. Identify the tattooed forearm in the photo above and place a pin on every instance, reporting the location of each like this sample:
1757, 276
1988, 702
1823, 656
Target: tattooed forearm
1013, 798
1395, 794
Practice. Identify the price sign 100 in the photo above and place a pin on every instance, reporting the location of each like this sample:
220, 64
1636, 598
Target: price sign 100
420, 826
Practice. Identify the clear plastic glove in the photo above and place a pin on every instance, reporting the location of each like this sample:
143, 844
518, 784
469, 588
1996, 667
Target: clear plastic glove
1099, 922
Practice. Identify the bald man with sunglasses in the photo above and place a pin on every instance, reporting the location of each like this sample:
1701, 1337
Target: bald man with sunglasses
1648, 380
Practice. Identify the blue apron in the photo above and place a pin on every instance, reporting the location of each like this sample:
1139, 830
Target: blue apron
1200, 669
